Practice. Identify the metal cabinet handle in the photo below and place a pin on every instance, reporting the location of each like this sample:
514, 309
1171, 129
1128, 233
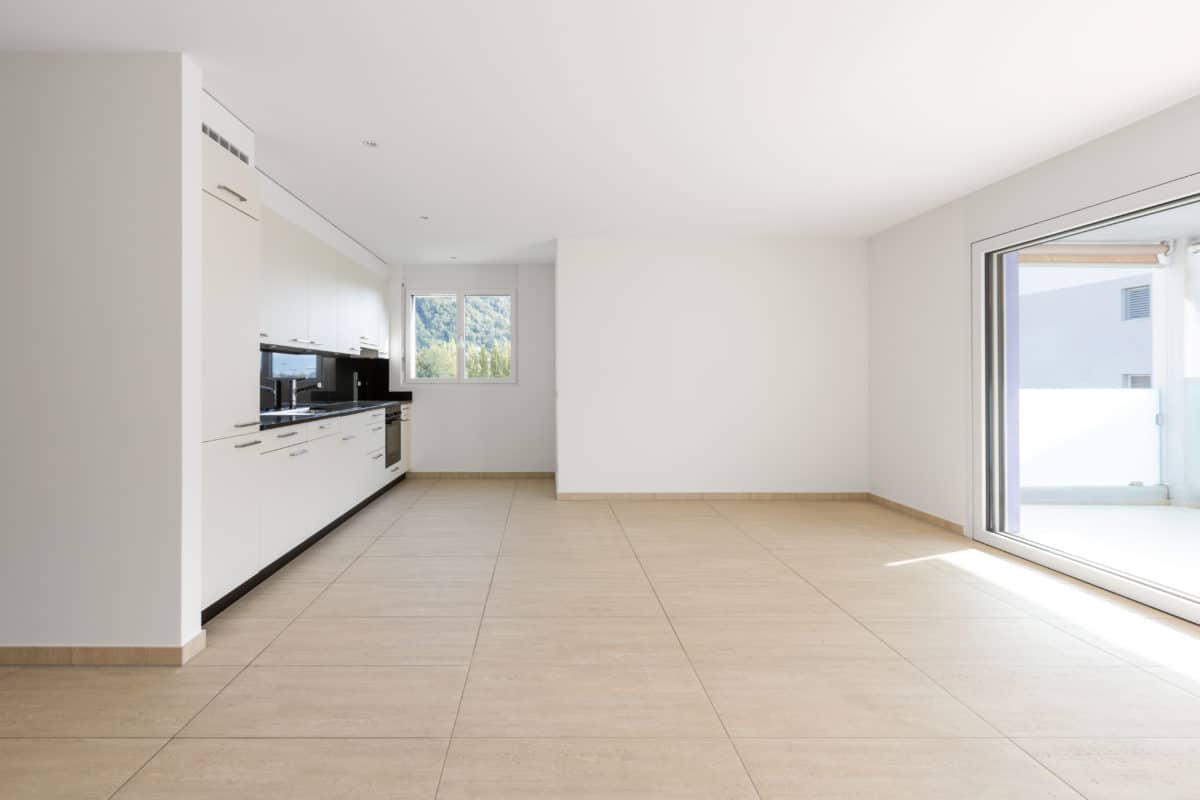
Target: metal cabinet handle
247, 424
297, 453
247, 444
376, 429
395, 469
285, 435
377, 455
241, 197
262, 335
348, 438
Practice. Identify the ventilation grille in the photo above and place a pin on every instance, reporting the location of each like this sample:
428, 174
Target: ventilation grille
228, 145
1136, 302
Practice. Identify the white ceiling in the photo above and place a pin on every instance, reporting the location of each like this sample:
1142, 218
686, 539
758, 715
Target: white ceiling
513, 122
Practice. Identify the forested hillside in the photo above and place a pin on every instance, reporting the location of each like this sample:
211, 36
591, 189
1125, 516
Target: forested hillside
487, 324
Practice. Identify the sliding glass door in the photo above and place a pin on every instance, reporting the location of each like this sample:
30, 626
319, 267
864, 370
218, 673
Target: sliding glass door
1092, 397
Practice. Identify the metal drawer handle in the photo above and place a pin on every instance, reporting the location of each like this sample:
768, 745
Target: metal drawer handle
376, 429
395, 469
262, 335
377, 455
241, 197
285, 435
297, 453
247, 424
348, 438
247, 444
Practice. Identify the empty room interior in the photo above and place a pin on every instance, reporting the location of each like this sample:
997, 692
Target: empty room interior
652, 399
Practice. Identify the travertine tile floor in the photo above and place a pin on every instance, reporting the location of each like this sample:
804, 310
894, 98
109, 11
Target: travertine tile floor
478, 639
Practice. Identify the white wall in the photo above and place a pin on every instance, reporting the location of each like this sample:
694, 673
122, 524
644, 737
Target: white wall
722, 365
921, 297
484, 427
100, 305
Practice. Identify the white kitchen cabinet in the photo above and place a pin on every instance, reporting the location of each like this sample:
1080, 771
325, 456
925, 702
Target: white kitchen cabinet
229, 514
287, 477
230, 365
323, 284
229, 179
284, 297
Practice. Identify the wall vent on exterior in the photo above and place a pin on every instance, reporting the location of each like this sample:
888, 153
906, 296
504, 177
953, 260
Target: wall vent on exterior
221, 140
1135, 302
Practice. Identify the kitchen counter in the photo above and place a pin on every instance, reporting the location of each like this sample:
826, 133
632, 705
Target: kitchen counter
321, 411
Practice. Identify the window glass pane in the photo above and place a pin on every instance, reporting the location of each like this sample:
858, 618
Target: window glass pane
489, 335
435, 322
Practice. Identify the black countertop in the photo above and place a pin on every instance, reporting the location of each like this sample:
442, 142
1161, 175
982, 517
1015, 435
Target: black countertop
320, 411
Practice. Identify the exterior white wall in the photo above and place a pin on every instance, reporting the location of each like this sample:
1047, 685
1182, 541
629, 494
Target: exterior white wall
1077, 337
100, 242
483, 427
921, 431
711, 365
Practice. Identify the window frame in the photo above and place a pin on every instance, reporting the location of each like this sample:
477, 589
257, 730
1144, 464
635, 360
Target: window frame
460, 299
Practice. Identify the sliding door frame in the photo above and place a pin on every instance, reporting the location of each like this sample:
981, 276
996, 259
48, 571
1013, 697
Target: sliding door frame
989, 403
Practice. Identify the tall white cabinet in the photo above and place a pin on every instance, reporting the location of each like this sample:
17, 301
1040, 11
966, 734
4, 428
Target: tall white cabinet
230, 255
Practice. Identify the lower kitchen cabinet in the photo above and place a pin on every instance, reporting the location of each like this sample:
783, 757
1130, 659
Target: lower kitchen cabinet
265, 493
229, 514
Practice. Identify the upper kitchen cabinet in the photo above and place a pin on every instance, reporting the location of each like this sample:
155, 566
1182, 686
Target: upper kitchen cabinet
230, 261
285, 284
314, 297
229, 179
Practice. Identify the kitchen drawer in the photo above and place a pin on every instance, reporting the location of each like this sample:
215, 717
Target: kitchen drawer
230, 180
284, 437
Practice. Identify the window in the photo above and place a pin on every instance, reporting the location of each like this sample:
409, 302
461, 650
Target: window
1139, 381
461, 337
1136, 302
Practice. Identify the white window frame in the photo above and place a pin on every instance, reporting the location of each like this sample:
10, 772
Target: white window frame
460, 298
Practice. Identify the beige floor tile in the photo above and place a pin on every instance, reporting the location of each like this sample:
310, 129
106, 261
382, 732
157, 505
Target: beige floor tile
343, 545
1123, 769
758, 567
601, 640
234, 642
558, 597
821, 568
754, 640
832, 699
1071, 701
997, 641
541, 769
912, 769
400, 599
275, 600
549, 545
335, 702
128, 702
296, 769
515, 700
866, 599
639, 510
652, 545
363, 525
377, 641
522, 568
779, 596
70, 769
437, 544
1186, 677
322, 566
468, 569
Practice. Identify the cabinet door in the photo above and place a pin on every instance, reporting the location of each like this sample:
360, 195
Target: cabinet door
376, 311
288, 476
229, 179
323, 296
229, 514
353, 321
229, 397
284, 299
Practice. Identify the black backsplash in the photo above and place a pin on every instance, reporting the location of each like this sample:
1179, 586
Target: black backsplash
336, 379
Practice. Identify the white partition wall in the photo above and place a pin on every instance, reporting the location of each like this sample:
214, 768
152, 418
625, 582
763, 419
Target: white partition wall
100, 302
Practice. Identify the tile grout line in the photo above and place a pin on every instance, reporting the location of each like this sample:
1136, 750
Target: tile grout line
687, 656
462, 695
888, 645
235, 676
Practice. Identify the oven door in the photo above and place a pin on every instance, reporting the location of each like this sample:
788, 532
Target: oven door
394, 445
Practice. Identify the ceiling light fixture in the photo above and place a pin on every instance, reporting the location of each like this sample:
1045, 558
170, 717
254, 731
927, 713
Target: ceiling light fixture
370, 143
423, 218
